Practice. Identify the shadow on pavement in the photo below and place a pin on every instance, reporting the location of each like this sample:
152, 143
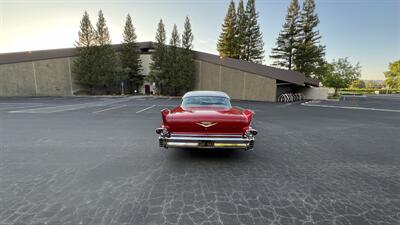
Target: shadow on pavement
223, 155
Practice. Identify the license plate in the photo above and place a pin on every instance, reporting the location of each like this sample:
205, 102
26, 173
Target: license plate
206, 144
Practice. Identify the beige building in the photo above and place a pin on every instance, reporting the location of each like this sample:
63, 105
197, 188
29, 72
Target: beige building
48, 73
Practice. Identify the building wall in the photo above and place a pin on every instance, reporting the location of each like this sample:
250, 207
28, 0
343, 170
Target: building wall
236, 83
316, 93
17, 80
39, 78
53, 77
259, 88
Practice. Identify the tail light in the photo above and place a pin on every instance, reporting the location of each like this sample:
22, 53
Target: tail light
163, 131
250, 132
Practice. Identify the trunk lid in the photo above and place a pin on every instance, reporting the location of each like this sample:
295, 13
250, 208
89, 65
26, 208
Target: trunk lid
206, 120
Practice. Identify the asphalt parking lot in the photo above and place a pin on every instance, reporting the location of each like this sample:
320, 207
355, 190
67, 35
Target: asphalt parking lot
87, 160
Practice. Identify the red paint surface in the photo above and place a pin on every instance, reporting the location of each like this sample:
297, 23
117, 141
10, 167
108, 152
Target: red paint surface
228, 120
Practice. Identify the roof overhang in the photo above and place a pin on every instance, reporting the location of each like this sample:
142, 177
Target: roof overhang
27, 56
262, 70
311, 81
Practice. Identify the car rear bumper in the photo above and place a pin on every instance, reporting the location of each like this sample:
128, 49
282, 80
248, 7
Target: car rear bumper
207, 141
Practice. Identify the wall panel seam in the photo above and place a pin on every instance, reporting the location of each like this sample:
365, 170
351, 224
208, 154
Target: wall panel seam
34, 78
70, 76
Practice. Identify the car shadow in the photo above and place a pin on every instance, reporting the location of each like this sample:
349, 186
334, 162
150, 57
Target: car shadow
208, 154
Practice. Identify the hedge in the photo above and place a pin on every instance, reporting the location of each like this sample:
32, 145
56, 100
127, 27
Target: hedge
368, 91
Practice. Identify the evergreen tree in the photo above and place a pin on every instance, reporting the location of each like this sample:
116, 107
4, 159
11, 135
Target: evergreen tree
310, 54
158, 57
253, 43
187, 36
174, 80
228, 45
241, 29
186, 62
83, 67
86, 33
105, 54
175, 40
288, 39
130, 58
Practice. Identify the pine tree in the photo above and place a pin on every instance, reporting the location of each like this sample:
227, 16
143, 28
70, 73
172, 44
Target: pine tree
186, 62
241, 29
228, 45
130, 58
288, 39
86, 33
187, 36
310, 54
174, 80
158, 57
83, 66
175, 40
253, 43
105, 54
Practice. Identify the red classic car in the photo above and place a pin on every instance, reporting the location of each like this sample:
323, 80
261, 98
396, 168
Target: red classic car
206, 119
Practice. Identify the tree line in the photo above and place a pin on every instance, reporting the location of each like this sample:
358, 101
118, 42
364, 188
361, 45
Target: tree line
97, 65
297, 48
103, 70
298, 45
172, 68
241, 37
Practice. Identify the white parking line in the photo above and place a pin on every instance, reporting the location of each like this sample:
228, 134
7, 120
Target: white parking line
350, 107
71, 107
145, 109
20, 107
107, 109
23, 103
60, 108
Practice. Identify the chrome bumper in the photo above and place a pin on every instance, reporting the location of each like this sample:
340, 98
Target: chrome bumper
207, 141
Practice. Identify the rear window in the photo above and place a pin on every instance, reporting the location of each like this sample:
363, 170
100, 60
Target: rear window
199, 101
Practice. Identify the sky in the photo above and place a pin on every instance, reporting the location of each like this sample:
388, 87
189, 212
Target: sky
365, 31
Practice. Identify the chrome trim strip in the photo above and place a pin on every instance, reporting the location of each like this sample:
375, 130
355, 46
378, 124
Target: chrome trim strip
182, 144
207, 135
215, 139
195, 145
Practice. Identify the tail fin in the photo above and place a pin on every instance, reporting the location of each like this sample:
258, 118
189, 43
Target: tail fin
164, 114
249, 114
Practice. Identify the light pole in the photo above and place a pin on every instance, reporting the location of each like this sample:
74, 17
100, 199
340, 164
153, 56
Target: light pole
122, 87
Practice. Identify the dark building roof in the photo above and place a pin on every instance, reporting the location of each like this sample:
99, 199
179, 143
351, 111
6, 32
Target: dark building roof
262, 70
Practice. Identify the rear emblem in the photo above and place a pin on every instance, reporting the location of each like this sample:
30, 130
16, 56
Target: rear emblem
206, 124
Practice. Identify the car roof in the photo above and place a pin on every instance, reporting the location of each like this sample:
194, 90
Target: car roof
206, 94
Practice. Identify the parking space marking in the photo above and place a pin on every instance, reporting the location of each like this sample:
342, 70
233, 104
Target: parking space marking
145, 109
16, 103
60, 108
351, 107
108, 109
71, 107
27, 107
